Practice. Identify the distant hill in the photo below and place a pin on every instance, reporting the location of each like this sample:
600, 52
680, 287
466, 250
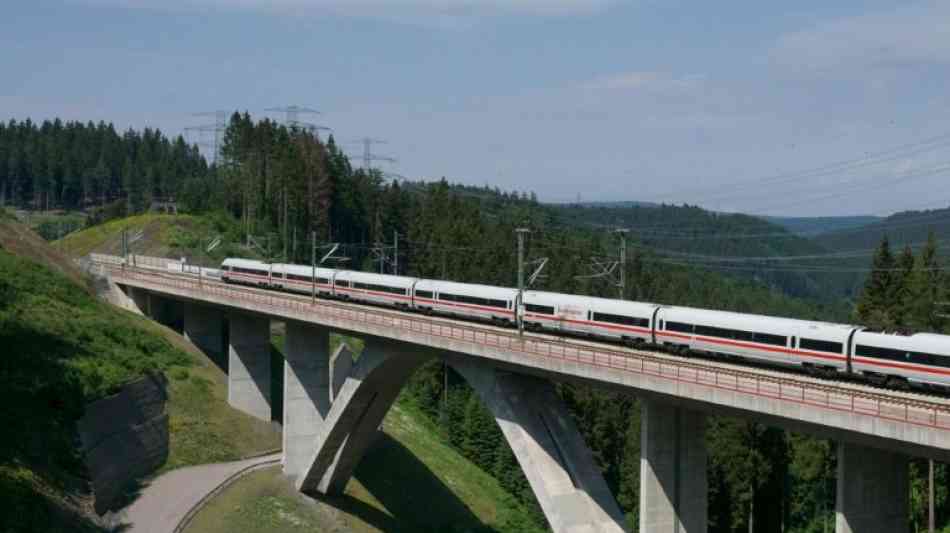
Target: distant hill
609, 204
695, 236
908, 227
813, 226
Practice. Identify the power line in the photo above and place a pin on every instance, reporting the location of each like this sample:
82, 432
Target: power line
368, 156
217, 130
876, 158
292, 118
706, 232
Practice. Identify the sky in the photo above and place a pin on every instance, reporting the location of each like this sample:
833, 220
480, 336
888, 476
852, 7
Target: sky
781, 108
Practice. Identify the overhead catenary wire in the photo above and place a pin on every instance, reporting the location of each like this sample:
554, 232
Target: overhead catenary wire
882, 156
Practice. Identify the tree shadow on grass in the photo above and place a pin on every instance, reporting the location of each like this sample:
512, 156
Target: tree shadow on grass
415, 498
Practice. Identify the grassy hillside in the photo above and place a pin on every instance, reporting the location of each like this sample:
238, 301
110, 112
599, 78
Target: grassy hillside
64, 348
410, 481
162, 236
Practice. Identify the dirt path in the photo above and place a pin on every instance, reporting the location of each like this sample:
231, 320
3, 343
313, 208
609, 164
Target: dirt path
165, 501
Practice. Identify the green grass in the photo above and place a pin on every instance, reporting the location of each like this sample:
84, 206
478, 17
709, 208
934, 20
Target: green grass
62, 348
202, 427
55, 224
410, 481
262, 501
163, 236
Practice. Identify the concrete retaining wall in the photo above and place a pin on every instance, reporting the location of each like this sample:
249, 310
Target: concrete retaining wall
124, 437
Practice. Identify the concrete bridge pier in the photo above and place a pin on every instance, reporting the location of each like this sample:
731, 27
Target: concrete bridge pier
673, 482
140, 300
165, 311
351, 424
203, 328
249, 365
552, 453
872, 490
306, 393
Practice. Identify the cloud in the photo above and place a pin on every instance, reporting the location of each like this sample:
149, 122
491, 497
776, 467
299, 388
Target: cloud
425, 10
903, 37
640, 80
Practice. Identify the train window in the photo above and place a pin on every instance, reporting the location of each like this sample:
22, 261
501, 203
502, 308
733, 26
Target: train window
820, 346
711, 331
938, 360
876, 352
379, 288
723, 333
324, 281
743, 335
473, 300
542, 309
621, 319
341, 283
679, 326
768, 338
424, 294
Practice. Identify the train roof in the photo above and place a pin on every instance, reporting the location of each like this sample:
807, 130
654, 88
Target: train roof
370, 277
732, 315
249, 263
301, 270
925, 342
577, 299
470, 289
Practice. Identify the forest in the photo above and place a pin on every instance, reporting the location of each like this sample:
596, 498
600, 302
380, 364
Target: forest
72, 165
286, 188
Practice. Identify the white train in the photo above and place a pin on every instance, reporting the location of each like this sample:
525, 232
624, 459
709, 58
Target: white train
818, 347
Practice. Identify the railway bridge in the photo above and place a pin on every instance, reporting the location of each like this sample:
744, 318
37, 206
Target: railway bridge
332, 408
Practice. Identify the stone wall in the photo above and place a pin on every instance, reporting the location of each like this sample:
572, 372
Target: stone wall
125, 437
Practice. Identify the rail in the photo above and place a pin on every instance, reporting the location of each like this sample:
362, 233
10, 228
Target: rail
880, 404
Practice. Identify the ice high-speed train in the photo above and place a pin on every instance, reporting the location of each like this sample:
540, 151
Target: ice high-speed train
818, 347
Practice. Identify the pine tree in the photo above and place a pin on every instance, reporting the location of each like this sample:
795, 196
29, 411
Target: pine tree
904, 297
927, 289
877, 299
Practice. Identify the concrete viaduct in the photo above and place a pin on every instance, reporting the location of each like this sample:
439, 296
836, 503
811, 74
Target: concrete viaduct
333, 407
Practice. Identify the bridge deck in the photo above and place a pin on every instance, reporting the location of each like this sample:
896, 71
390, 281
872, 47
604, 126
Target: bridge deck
916, 423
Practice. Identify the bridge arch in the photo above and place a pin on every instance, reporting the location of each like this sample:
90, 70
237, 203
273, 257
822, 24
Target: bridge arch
535, 422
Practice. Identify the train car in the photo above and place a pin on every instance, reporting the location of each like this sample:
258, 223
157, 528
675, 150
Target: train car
628, 322
374, 288
467, 300
300, 278
246, 272
922, 358
782, 341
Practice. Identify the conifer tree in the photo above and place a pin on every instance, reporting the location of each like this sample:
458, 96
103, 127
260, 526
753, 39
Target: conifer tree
904, 298
877, 298
928, 289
